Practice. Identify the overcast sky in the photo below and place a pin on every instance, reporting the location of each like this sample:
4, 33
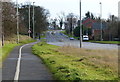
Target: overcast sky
72, 6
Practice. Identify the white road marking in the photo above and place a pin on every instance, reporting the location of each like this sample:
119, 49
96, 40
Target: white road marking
16, 77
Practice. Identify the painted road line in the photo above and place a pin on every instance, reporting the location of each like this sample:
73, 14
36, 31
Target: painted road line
16, 77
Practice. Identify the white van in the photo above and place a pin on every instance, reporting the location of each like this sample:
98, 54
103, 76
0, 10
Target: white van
85, 37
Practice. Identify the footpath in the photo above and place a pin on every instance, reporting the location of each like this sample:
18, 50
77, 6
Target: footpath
31, 67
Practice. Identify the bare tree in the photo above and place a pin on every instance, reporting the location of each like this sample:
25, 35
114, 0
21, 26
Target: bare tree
71, 23
9, 19
112, 28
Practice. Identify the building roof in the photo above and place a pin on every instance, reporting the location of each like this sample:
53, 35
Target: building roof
88, 22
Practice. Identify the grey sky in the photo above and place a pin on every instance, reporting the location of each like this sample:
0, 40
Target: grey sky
72, 6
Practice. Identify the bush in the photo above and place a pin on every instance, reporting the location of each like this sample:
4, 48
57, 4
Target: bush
77, 32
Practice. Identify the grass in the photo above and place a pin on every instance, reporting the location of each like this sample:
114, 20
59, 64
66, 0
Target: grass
10, 44
5, 50
107, 42
70, 63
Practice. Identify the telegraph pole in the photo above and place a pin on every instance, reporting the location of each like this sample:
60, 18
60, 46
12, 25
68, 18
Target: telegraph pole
1, 26
80, 27
17, 22
33, 22
101, 20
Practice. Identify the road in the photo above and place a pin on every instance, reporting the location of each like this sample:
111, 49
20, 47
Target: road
31, 67
55, 39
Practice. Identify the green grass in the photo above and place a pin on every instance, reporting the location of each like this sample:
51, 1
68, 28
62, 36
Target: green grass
104, 42
72, 63
27, 41
8, 47
107, 42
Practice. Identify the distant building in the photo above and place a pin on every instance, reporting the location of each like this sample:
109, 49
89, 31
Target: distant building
95, 27
119, 10
88, 22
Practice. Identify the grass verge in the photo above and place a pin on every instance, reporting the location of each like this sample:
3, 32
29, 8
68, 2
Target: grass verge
107, 42
9, 45
69, 63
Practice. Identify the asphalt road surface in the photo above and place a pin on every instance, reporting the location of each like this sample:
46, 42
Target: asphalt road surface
31, 67
59, 39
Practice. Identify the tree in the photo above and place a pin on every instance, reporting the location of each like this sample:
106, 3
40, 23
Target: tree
9, 19
61, 19
40, 17
77, 31
112, 29
61, 23
89, 15
71, 23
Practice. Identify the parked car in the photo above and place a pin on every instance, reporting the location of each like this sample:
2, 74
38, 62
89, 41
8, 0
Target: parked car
71, 38
85, 38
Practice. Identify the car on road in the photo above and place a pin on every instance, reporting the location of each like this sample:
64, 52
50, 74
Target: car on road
71, 38
85, 38
61, 40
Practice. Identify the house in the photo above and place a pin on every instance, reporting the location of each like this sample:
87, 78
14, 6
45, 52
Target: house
88, 22
95, 27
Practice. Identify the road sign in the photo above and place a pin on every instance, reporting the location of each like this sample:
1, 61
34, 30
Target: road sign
29, 31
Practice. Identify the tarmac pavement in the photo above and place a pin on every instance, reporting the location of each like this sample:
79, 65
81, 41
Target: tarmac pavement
31, 67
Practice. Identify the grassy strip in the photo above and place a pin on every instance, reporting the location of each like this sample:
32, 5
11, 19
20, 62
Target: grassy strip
68, 63
7, 48
107, 42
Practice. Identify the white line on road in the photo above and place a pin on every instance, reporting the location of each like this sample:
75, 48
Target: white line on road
16, 77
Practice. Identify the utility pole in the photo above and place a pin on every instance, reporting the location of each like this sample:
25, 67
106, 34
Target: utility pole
1, 25
33, 22
80, 27
29, 21
101, 20
2, 36
17, 22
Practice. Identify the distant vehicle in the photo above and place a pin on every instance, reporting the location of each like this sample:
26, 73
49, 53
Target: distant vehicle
61, 40
71, 38
85, 38
66, 36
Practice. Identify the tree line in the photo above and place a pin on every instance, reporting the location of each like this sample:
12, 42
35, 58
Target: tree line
9, 19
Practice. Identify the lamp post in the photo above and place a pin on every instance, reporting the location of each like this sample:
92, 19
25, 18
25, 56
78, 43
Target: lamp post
29, 21
101, 20
17, 22
80, 27
33, 23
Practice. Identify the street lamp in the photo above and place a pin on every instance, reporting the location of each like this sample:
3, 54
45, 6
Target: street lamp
33, 23
29, 21
80, 27
17, 22
101, 20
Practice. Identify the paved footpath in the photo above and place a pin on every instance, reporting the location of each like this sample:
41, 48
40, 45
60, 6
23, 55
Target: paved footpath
31, 67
